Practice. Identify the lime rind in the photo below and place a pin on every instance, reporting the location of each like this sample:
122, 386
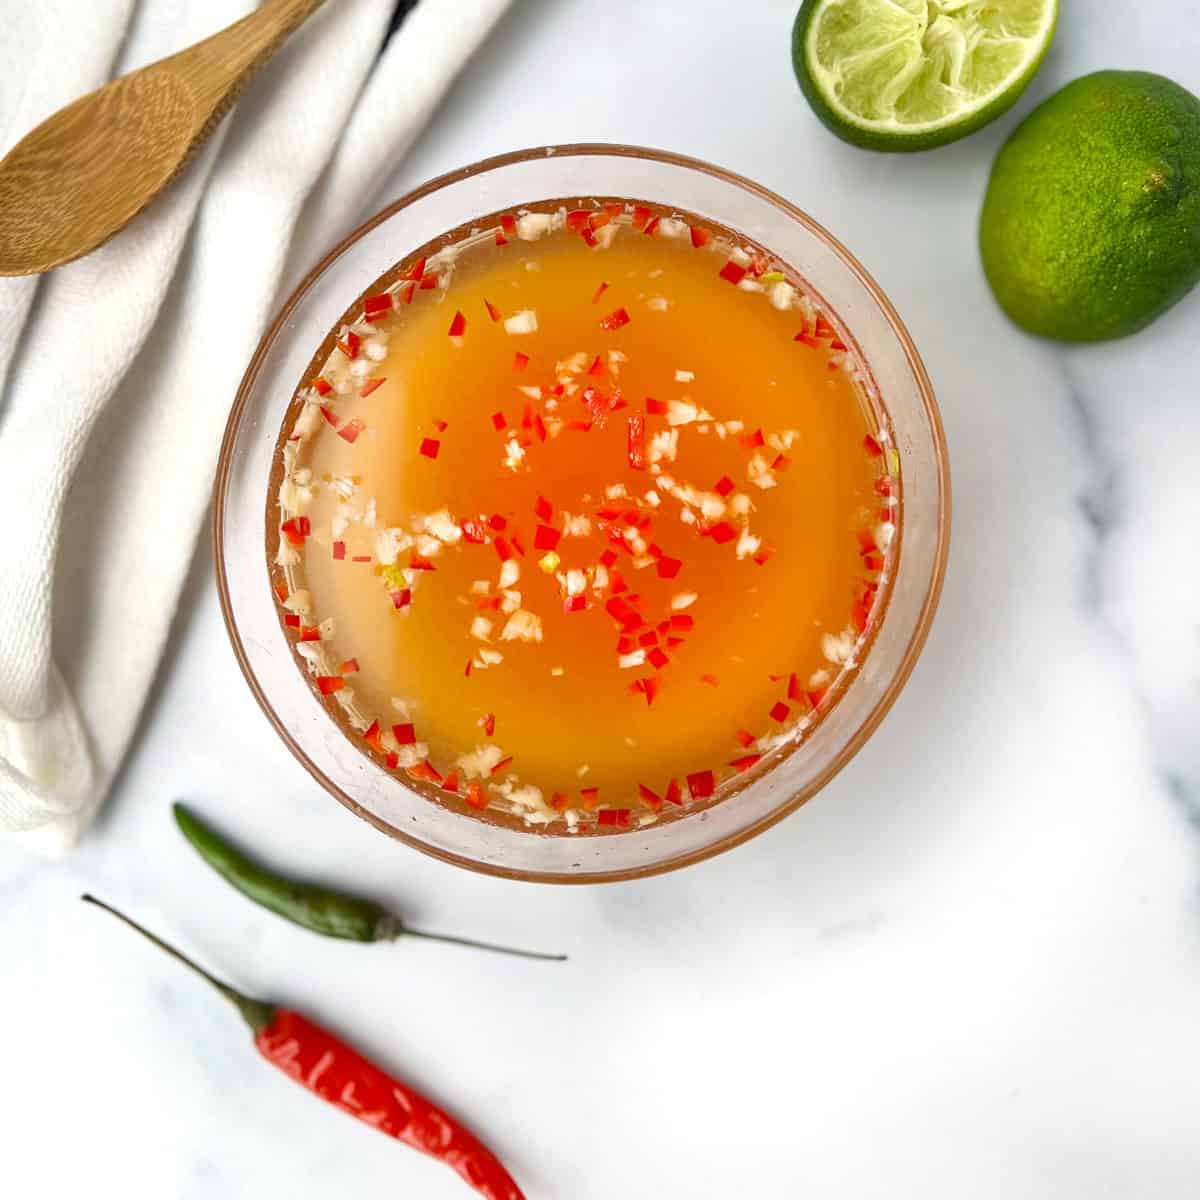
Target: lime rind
913, 74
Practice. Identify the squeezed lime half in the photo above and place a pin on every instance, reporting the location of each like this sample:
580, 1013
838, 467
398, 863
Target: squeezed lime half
903, 75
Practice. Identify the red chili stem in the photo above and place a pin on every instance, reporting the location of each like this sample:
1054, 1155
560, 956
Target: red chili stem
328, 1068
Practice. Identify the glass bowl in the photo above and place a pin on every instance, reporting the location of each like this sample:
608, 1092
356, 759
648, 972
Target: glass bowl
532, 177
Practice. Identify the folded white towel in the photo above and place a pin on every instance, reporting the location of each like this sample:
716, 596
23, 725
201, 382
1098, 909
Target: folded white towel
117, 371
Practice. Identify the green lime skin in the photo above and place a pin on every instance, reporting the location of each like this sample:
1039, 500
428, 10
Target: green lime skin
891, 143
1091, 224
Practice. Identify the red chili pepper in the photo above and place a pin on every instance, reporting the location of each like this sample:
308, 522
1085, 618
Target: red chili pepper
328, 1068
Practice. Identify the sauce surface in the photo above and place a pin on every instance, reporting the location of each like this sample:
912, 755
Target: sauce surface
586, 529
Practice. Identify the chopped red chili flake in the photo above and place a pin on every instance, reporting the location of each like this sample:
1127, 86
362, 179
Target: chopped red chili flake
350, 431
498, 421
392, 760
883, 487
589, 238
752, 441
509, 224
711, 680
293, 531
371, 385
657, 658
458, 325
329, 415
873, 562
823, 328
472, 531
597, 220
608, 557
360, 558
613, 816
636, 442
492, 310
655, 407
649, 638
501, 240
497, 522
406, 293
517, 546
807, 339
701, 784
793, 689
371, 737
487, 723
599, 291
402, 598
732, 271
650, 688
416, 270
780, 711
559, 801
339, 550
577, 220
377, 303
615, 319
641, 214
467, 669
597, 367
328, 684
746, 738
520, 362
543, 509
503, 549
758, 264
838, 344
349, 344
450, 783
440, 425
406, 735
648, 796
428, 282
418, 562
476, 797
668, 568
871, 446
723, 486
291, 620
309, 633
745, 762
349, 667
430, 447
651, 227
574, 604
322, 386
425, 770
700, 237
591, 797
722, 532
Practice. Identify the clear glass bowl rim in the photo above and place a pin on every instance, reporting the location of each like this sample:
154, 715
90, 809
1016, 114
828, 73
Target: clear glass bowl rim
921, 629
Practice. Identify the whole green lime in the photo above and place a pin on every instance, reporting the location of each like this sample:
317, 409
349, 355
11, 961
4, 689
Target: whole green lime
1091, 224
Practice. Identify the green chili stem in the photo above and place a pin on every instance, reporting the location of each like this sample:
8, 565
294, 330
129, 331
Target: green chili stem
256, 1013
462, 941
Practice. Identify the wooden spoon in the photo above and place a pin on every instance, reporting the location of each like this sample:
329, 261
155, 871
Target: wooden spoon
87, 171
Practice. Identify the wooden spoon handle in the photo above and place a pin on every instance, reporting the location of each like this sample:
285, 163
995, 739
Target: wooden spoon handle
217, 68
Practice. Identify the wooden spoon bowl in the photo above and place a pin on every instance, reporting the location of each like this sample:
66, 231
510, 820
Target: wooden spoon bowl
86, 172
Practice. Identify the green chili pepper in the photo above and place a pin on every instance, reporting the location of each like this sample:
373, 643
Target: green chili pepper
321, 910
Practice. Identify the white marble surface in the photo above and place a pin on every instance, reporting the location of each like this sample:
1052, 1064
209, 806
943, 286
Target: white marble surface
971, 967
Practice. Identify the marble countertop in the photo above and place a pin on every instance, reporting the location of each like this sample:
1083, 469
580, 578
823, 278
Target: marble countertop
970, 967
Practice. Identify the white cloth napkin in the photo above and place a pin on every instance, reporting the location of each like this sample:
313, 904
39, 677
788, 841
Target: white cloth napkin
117, 371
